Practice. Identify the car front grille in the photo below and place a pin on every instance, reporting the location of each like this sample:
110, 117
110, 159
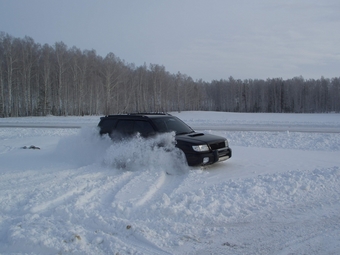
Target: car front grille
217, 146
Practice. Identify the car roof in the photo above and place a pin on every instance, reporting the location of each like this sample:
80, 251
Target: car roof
138, 115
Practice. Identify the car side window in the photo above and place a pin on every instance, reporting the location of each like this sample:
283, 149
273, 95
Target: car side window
143, 127
130, 127
125, 127
107, 125
160, 124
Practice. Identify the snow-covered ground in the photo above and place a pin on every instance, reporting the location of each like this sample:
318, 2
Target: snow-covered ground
82, 194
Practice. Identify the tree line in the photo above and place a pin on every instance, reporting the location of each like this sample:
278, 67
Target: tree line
39, 80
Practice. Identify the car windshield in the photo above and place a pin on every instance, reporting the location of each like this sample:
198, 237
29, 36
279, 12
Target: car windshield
172, 124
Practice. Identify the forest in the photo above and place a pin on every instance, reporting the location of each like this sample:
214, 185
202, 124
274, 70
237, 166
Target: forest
40, 80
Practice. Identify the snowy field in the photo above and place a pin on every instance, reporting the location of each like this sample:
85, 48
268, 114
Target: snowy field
83, 194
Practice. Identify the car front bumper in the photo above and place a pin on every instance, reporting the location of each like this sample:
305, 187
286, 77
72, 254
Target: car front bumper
208, 158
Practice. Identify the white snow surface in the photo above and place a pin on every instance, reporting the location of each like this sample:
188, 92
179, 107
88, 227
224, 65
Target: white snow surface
84, 194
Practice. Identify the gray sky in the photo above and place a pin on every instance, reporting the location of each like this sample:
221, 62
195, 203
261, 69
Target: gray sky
211, 39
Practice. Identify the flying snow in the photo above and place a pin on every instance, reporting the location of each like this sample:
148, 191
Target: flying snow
136, 153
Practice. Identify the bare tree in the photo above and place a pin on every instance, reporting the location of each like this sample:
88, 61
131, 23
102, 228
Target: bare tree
2, 63
112, 75
335, 95
46, 69
11, 59
29, 58
61, 64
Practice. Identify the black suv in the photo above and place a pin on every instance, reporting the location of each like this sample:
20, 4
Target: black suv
199, 148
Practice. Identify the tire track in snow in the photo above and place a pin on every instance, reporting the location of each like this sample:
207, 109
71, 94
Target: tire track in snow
62, 199
99, 192
54, 188
130, 204
134, 191
31, 187
85, 190
70, 189
153, 188
146, 188
116, 193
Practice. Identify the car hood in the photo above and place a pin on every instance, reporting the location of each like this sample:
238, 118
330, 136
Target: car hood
200, 138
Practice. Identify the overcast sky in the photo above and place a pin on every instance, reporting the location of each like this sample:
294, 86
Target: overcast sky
209, 40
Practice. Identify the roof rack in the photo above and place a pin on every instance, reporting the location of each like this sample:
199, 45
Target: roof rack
148, 113
139, 114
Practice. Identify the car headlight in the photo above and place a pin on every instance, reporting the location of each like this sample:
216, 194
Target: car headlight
226, 143
200, 148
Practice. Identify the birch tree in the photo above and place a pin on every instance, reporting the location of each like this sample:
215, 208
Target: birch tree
61, 66
11, 59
